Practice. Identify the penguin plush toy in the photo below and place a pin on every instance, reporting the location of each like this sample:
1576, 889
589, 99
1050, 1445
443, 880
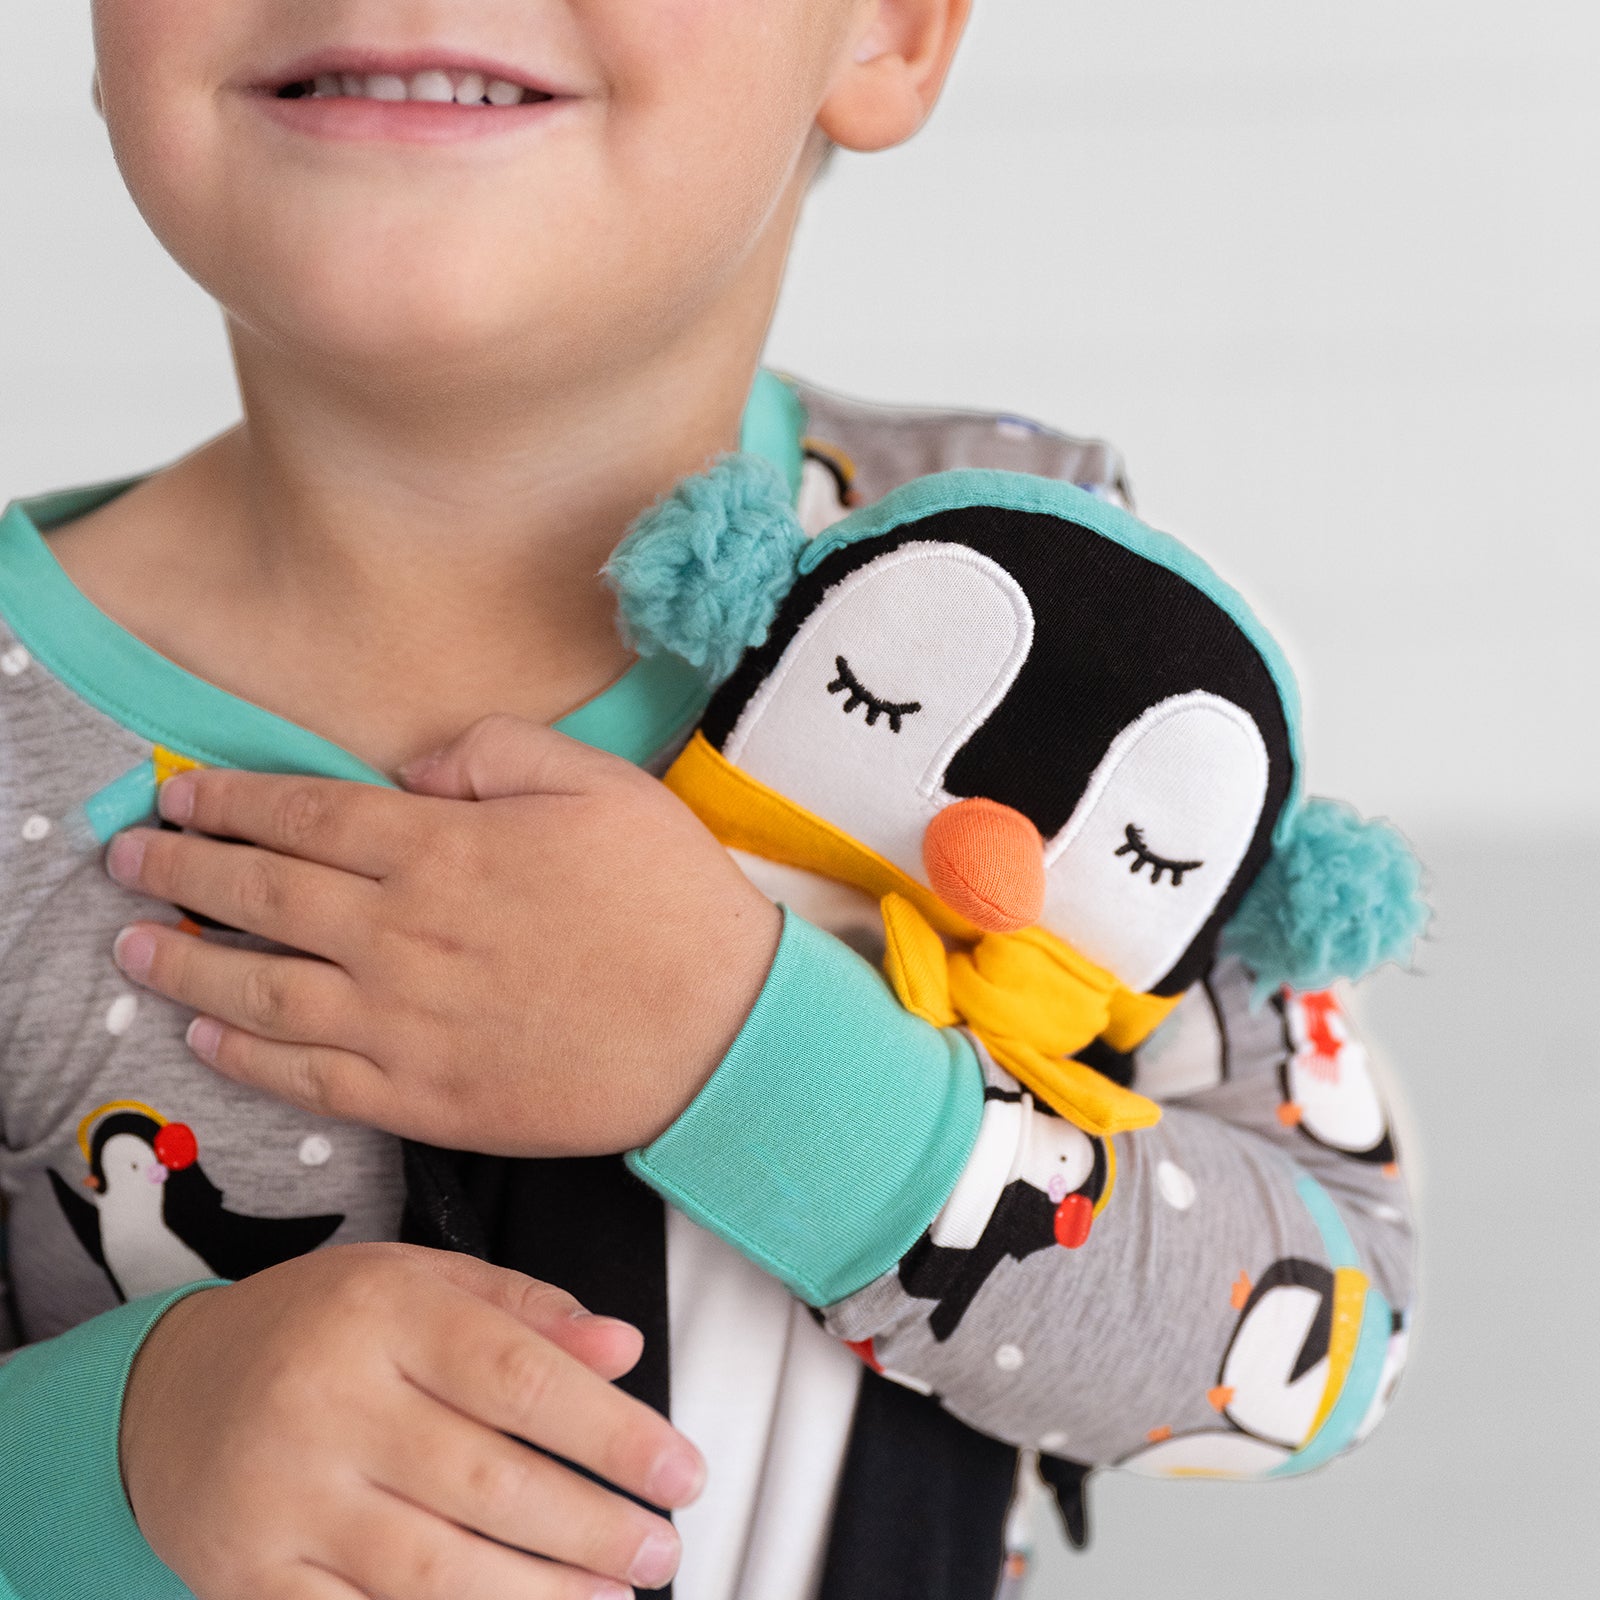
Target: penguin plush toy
1038, 754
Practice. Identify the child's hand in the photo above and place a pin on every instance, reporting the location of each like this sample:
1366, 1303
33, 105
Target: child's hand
552, 961
335, 1427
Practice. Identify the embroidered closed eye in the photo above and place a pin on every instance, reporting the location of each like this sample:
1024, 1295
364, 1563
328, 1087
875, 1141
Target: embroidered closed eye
850, 686
1144, 856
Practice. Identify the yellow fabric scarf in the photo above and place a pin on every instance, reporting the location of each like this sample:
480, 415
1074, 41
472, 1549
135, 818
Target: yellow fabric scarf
1029, 996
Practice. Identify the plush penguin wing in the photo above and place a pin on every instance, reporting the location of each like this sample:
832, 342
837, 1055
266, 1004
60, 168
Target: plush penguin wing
82, 1216
1069, 1480
239, 1246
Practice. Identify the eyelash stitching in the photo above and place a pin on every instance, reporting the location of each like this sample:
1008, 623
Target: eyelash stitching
859, 696
1143, 856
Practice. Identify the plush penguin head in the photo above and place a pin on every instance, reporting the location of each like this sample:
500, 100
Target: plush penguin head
1034, 710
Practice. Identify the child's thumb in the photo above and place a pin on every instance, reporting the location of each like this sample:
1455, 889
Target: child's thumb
500, 756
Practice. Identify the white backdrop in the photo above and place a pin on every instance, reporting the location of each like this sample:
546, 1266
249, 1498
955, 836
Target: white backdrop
1328, 272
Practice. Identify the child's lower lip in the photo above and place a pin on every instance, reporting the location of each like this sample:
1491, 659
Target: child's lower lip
358, 120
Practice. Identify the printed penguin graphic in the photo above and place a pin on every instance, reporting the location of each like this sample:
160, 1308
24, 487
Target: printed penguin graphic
155, 1220
1034, 1182
1292, 1353
1045, 741
1328, 1092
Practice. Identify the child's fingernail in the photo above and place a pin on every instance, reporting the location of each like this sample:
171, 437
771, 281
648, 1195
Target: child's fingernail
125, 857
176, 799
582, 1314
656, 1561
134, 950
203, 1037
678, 1476
415, 771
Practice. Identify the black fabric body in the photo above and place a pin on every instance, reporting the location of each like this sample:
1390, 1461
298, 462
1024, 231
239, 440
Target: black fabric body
586, 1225
1114, 634
922, 1498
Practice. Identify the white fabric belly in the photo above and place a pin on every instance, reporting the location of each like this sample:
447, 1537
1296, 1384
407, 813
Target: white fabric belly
768, 1397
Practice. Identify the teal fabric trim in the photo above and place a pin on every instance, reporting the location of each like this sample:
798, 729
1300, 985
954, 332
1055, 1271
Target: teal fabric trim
67, 1532
105, 665
774, 427
1338, 1433
123, 802
1015, 491
833, 1131
655, 700
652, 703
1336, 1238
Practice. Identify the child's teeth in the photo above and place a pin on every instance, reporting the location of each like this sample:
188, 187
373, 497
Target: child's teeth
432, 86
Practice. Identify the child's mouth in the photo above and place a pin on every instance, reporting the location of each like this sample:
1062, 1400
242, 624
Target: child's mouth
415, 97
432, 86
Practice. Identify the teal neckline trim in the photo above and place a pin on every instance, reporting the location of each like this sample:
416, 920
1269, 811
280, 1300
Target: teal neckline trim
1015, 491
774, 427
653, 702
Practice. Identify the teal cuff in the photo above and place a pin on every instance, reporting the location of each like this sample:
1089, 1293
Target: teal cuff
832, 1132
67, 1532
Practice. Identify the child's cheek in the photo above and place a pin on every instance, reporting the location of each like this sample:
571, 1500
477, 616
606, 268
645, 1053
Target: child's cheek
162, 67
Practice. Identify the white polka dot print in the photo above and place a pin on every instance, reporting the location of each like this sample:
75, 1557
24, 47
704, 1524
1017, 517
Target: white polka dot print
14, 662
1385, 1213
315, 1150
120, 1014
1054, 1444
1008, 1358
35, 829
1176, 1186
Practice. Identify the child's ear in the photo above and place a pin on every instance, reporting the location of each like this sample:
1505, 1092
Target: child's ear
895, 70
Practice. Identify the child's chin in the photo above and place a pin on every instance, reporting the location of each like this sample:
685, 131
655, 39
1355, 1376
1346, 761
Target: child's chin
410, 344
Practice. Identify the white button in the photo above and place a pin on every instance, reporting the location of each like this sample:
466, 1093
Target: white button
120, 1015
14, 661
1176, 1186
35, 829
315, 1151
1008, 1358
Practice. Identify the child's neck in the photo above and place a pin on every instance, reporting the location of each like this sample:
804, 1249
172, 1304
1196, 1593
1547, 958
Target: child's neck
384, 575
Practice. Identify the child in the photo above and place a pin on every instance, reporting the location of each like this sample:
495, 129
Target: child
497, 276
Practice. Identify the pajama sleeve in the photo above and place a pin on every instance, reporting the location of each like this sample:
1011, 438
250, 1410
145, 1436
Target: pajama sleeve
1223, 1293
66, 1529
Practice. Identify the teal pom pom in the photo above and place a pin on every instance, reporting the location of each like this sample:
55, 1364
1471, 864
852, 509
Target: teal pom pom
703, 572
1338, 898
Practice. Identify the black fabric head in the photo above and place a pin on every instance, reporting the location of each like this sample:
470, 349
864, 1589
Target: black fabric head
1114, 634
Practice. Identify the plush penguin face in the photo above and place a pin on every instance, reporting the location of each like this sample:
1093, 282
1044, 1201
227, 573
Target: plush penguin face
1032, 721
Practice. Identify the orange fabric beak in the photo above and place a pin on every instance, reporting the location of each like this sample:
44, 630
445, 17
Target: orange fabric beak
986, 862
